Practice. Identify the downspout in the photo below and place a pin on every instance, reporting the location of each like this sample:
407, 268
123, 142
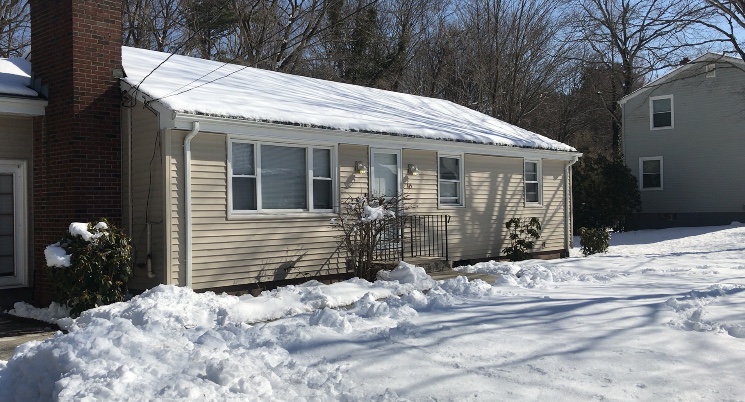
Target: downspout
567, 204
187, 198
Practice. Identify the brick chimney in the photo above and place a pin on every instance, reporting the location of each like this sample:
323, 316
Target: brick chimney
75, 48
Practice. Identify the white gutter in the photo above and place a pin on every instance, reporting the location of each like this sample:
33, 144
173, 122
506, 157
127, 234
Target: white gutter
187, 197
567, 203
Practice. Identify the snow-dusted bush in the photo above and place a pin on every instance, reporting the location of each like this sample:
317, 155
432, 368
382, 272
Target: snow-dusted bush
89, 266
593, 240
365, 221
522, 235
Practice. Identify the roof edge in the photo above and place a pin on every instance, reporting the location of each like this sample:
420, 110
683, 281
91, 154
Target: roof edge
706, 57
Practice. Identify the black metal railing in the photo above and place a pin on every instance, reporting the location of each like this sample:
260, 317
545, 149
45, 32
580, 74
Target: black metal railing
412, 236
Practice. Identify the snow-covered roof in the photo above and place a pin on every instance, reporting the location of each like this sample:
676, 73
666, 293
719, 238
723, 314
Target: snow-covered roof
15, 77
704, 58
203, 87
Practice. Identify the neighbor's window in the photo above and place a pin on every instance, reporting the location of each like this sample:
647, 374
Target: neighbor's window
451, 180
651, 173
270, 177
532, 182
661, 110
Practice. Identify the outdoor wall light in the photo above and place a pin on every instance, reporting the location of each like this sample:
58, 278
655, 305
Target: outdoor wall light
413, 170
359, 167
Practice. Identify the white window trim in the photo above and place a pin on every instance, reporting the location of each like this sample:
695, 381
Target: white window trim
461, 189
651, 112
18, 169
273, 213
539, 174
641, 173
371, 170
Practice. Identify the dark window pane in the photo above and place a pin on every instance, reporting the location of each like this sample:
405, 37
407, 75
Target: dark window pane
244, 193
531, 192
322, 194
6, 203
6, 183
651, 166
321, 163
283, 178
531, 171
243, 159
651, 180
449, 169
663, 119
6, 246
661, 105
7, 266
6, 225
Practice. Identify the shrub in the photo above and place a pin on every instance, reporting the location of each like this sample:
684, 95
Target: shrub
593, 240
605, 193
522, 235
365, 222
90, 266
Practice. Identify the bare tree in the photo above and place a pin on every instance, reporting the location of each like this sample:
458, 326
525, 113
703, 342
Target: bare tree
732, 12
15, 32
632, 39
152, 24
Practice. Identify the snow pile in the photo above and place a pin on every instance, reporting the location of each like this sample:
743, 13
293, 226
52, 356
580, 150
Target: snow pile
620, 326
54, 314
203, 87
527, 274
56, 256
81, 229
693, 309
406, 273
375, 213
172, 343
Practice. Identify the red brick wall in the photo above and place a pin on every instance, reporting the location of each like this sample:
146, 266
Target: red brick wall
77, 145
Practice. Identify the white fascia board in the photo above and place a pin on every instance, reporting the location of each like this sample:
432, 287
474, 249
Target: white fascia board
271, 131
22, 106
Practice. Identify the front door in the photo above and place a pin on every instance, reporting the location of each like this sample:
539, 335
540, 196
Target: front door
385, 174
12, 224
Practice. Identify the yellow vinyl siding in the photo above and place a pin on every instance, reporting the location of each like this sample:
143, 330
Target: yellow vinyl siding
248, 249
263, 247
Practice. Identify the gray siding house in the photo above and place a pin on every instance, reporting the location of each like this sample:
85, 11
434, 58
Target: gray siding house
684, 140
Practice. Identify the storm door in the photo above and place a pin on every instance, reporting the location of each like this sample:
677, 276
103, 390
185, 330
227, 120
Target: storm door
385, 180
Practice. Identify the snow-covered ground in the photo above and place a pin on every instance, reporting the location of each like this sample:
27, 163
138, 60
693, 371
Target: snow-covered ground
661, 316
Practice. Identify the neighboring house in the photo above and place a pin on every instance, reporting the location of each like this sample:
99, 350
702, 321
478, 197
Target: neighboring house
227, 176
684, 140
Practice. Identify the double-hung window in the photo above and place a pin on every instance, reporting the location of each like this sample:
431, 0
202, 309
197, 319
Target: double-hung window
451, 180
661, 112
267, 177
532, 179
651, 173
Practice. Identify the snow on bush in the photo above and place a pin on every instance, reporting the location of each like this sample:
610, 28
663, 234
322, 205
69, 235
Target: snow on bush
56, 256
